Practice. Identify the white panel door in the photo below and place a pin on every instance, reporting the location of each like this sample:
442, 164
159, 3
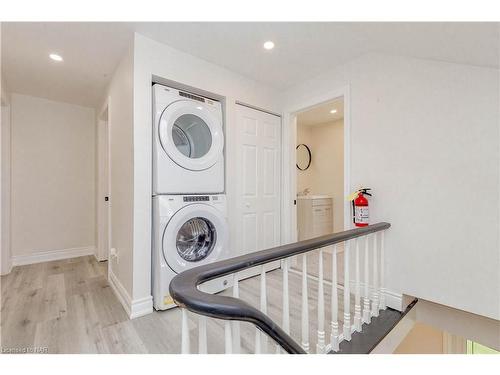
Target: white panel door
259, 179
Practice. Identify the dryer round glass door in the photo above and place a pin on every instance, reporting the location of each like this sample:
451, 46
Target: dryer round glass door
195, 235
191, 135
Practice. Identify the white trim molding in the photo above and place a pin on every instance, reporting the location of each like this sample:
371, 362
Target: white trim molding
392, 299
133, 308
120, 291
48, 256
289, 173
141, 307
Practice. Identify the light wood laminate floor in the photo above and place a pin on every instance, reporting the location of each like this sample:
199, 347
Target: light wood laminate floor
67, 306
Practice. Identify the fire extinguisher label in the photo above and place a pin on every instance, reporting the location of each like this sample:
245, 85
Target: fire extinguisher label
362, 215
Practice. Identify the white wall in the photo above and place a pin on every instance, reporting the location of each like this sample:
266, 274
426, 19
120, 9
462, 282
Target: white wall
120, 121
53, 179
5, 136
156, 59
326, 173
425, 138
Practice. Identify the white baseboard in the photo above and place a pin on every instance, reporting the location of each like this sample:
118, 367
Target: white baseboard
6, 266
47, 256
98, 257
133, 308
392, 299
120, 291
141, 307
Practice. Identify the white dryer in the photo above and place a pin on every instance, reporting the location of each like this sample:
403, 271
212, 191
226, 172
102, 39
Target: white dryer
188, 143
188, 231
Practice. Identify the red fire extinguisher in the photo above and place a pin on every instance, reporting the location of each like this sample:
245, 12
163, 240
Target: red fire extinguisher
361, 212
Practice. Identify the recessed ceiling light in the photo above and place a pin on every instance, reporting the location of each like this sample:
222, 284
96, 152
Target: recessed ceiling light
55, 57
333, 111
269, 45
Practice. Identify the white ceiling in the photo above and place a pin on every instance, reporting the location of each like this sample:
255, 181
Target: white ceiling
321, 114
91, 51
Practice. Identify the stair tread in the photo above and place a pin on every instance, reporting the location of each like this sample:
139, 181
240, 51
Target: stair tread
371, 334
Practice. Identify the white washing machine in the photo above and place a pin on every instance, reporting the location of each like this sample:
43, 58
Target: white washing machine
188, 143
188, 231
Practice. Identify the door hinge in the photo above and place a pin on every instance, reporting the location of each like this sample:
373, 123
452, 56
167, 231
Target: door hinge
106, 199
295, 202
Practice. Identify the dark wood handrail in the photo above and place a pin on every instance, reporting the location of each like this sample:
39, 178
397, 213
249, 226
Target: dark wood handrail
184, 287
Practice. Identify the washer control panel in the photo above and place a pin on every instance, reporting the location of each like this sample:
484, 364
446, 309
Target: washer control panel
196, 198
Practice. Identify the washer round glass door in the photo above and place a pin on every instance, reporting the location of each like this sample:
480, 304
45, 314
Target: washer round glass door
196, 239
195, 235
191, 135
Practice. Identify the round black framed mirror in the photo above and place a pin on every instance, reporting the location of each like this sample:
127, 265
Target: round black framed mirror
303, 157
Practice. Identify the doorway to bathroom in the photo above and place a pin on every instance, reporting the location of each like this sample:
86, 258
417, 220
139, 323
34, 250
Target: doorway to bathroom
320, 185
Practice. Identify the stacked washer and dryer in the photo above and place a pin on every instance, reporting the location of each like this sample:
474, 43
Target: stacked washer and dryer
189, 205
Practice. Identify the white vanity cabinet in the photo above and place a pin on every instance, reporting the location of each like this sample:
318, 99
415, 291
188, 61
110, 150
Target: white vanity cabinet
314, 216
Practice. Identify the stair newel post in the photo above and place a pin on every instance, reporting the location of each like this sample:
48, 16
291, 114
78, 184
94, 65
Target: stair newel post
357, 303
347, 294
334, 338
320, 346
366, 298
236, 324
185, 332
375, 301
305, 306
202, 334
228, 339
263, 304
383, 304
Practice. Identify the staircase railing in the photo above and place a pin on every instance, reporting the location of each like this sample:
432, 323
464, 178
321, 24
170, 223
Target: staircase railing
369, 292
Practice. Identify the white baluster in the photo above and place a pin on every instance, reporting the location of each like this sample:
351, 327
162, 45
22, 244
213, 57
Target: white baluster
185, 332
334, 338
202, 334
228, 337
236, 324
383, 304
347, 294
260, 339
263, 304
257, 341
286, 300
375, 303
305, 307
357, 303
320, 346
366, 298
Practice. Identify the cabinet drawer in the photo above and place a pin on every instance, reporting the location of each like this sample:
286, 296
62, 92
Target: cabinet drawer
322, 202
320, 229
322, 214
